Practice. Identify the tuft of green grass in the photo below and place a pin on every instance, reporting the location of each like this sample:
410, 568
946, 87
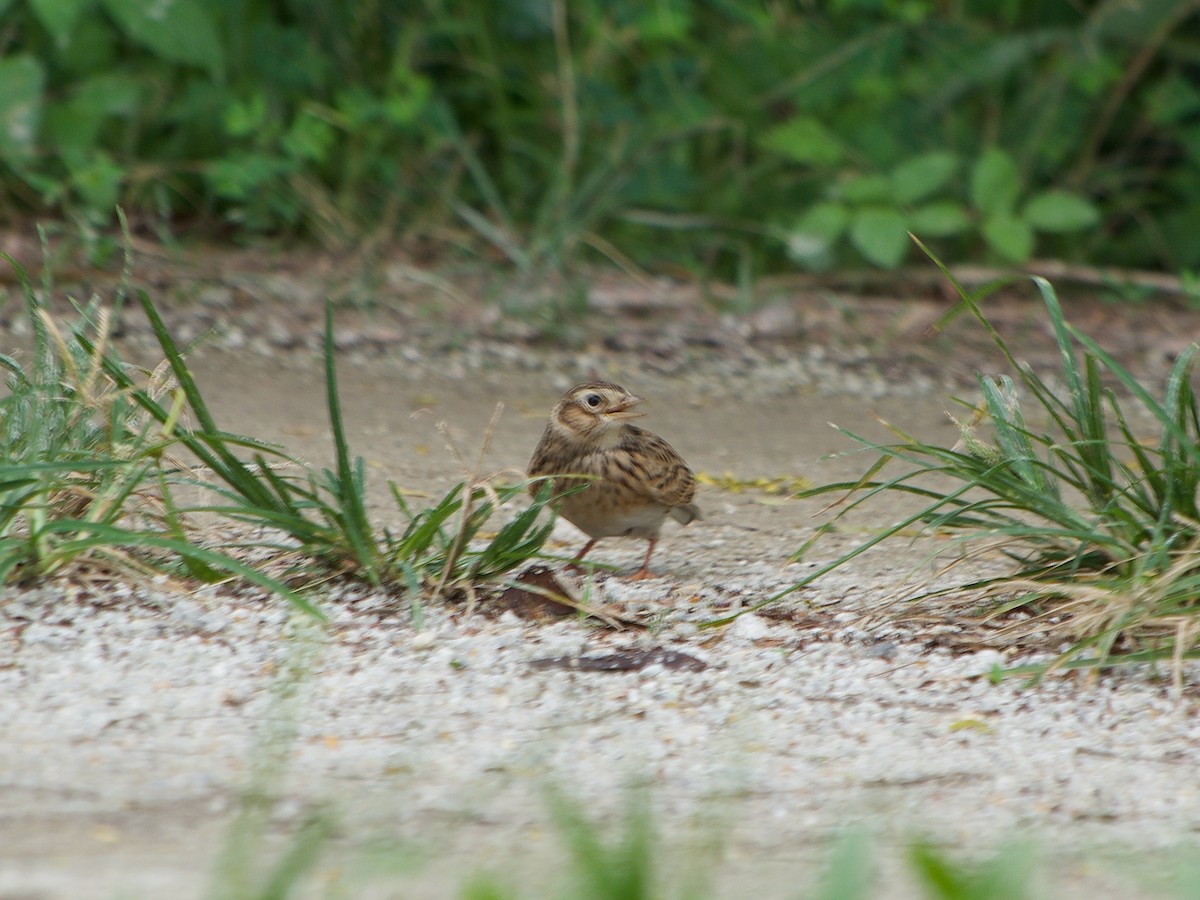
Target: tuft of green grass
322, 512
91, 470
622, 869
1102, 525
1005, 876
250, 865
84, 471
849, 872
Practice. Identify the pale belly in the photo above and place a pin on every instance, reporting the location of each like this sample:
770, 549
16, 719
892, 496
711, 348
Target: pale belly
601, 512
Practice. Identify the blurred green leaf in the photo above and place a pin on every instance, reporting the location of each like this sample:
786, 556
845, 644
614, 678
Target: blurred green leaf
482, 887
1006, 876
358, 106
811, 240
181, 31
113, 94
407, 97
241, 174
1060, 211
1172, 100
663, 22
245, 117
97, 179
96, 48
881, 235
309, 137
943, 219
994, 182
1094, 73
22, 81
1136, 23
72, 128
919, 177
804, 140
59, 17
866, 189
1010, 237
825, 220
849, 872
73, 125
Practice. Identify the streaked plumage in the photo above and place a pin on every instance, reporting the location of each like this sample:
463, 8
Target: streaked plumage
637, 478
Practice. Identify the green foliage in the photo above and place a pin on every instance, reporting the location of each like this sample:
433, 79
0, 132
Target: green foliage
251, 863
88, 470
876, 213
849, 873
279, 116
324, 512
79, 463
1006, 876
606, 861
67, 452
433, 548
22, 83
622, 869
715, 136
1103, 524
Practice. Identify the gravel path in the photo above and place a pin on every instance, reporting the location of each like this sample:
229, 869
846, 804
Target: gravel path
124, 707
134, 718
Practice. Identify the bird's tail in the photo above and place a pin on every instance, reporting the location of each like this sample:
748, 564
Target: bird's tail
685, 514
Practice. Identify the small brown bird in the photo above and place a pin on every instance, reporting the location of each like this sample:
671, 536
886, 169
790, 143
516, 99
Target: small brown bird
636, 478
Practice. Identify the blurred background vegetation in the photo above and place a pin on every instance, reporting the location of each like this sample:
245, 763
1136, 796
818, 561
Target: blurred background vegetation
710, 137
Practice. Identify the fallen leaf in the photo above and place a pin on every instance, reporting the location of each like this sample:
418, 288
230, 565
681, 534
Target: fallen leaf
780, 485
624, 661
537, 594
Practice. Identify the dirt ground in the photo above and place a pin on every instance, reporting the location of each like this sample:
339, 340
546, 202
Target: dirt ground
746, 392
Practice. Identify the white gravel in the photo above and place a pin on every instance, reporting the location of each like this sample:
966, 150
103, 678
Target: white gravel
114, 699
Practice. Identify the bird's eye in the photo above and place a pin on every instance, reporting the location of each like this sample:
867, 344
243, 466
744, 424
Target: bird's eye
592, 400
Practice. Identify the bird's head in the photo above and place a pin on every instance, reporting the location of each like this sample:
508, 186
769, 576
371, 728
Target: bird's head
594, 408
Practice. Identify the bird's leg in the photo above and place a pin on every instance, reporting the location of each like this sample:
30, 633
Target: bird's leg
644, 572
574, 565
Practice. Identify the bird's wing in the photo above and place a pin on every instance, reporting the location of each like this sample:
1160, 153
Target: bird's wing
551, 457
544, 456
666, 478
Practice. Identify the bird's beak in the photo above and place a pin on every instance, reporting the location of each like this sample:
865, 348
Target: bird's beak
625, 409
